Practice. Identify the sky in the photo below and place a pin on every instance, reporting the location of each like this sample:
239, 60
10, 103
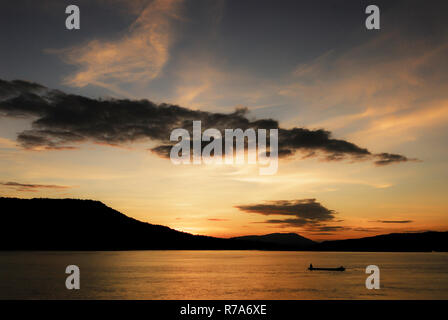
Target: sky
361, 113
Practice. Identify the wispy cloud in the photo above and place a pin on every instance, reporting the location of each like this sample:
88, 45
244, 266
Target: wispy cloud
384, 88
137, 57
28, 187
393, 221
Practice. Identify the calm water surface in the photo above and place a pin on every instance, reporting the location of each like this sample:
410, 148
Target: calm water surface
221, 275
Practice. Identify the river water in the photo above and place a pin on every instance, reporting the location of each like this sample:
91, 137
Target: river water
222, 275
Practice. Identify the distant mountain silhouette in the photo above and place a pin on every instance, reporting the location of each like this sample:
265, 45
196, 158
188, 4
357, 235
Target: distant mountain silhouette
71, 224
291, 240
400, 242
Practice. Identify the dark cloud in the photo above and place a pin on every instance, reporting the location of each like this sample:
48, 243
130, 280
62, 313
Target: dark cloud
16, 88
217, 220
330, 230
388, 158
361, 229
394, 221
306, 212
300, 138
61, 121
31, 187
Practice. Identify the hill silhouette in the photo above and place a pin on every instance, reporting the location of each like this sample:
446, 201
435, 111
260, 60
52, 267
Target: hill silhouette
291, 240
394, 242
72, 224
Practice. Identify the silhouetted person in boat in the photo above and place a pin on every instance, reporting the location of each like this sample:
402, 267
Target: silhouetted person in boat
311, 266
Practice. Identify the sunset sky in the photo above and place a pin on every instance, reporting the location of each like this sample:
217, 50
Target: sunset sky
77, 126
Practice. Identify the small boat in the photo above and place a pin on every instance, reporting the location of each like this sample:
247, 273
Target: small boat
341, 268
